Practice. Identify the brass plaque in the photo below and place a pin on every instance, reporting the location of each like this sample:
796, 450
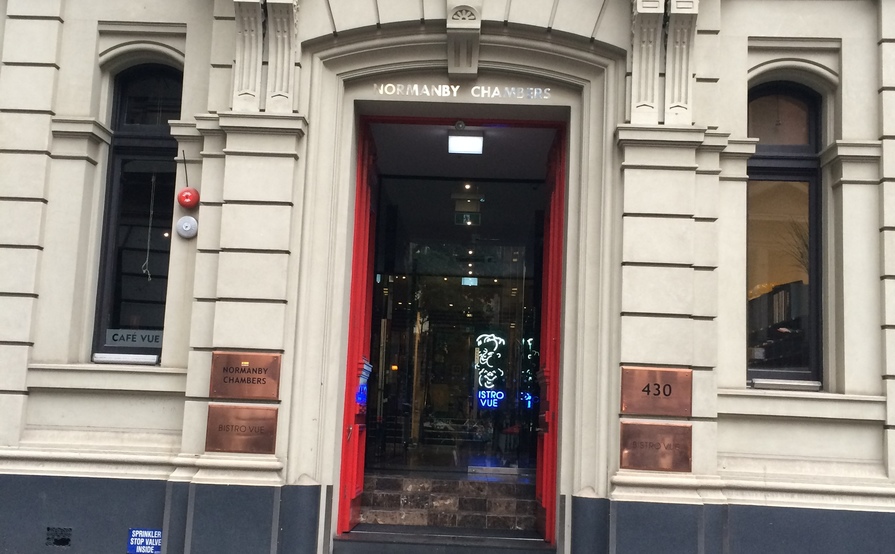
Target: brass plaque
657, 446
244, 429
245, 376
657, 392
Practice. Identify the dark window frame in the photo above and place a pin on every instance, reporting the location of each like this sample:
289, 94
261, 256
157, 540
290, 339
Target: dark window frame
798, 163
150, 143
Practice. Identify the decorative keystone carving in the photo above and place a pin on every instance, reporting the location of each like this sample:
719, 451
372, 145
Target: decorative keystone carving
646, 48
464, 28
281, 22
249, 49
679, 73
464, 14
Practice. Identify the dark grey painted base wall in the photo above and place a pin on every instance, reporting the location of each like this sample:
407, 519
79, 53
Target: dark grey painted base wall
84, 516
67, 515
640, 527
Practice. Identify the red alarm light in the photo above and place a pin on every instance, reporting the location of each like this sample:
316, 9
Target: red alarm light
188, 198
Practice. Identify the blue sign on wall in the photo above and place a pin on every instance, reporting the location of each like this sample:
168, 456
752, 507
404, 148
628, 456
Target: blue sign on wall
528, 400
361, 395
145, 541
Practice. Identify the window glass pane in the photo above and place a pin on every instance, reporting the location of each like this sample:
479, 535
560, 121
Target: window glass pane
141, 251
150, 98
779, 119
139, 211
778, 269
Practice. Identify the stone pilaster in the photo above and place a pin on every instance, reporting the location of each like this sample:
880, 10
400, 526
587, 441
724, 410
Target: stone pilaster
183, 254
79, 151
24, 163
708, 102
256, 220
244, 247
887, 213
853, 302
705, 271
669, 259
730, 228
207, 245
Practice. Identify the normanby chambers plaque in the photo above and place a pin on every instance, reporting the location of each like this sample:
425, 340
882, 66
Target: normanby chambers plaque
657, 391
657, 446
245, 375
244, 429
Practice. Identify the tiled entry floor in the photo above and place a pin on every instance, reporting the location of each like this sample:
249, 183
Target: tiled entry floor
448, 499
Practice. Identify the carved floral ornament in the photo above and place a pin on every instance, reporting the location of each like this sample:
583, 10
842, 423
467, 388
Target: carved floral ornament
464, 14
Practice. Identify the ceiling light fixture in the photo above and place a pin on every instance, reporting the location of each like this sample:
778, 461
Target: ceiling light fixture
465, 143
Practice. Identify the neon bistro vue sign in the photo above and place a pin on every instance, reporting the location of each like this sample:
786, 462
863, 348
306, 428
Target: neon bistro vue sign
452, 91
487, 365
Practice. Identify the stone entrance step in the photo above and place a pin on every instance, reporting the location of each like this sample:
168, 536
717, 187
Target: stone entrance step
396, 539
450, 501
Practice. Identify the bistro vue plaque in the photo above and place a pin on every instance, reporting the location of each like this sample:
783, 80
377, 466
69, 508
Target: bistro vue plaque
245, 375
657, 392
657, 446
243, 429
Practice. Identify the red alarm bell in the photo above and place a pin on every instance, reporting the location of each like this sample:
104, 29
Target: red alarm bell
188, 198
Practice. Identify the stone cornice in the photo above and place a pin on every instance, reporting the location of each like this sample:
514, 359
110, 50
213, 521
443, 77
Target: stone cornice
263, 123
660, 135
852, 151
81, 127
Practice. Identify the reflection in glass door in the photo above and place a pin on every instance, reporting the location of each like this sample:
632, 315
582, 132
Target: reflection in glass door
455, 335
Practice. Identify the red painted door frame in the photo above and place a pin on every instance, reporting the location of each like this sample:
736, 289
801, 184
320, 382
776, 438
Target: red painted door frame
551, 309
354, 428
360, 313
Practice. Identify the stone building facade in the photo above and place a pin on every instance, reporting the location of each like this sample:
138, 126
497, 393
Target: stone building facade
713, 253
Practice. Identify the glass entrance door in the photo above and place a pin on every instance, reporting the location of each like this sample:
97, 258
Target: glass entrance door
457, 336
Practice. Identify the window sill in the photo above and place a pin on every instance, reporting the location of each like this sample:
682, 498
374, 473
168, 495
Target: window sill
107, 377
126, 359
786, 384
801, 404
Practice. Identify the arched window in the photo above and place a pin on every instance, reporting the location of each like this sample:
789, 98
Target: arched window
784, 235
138, 215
